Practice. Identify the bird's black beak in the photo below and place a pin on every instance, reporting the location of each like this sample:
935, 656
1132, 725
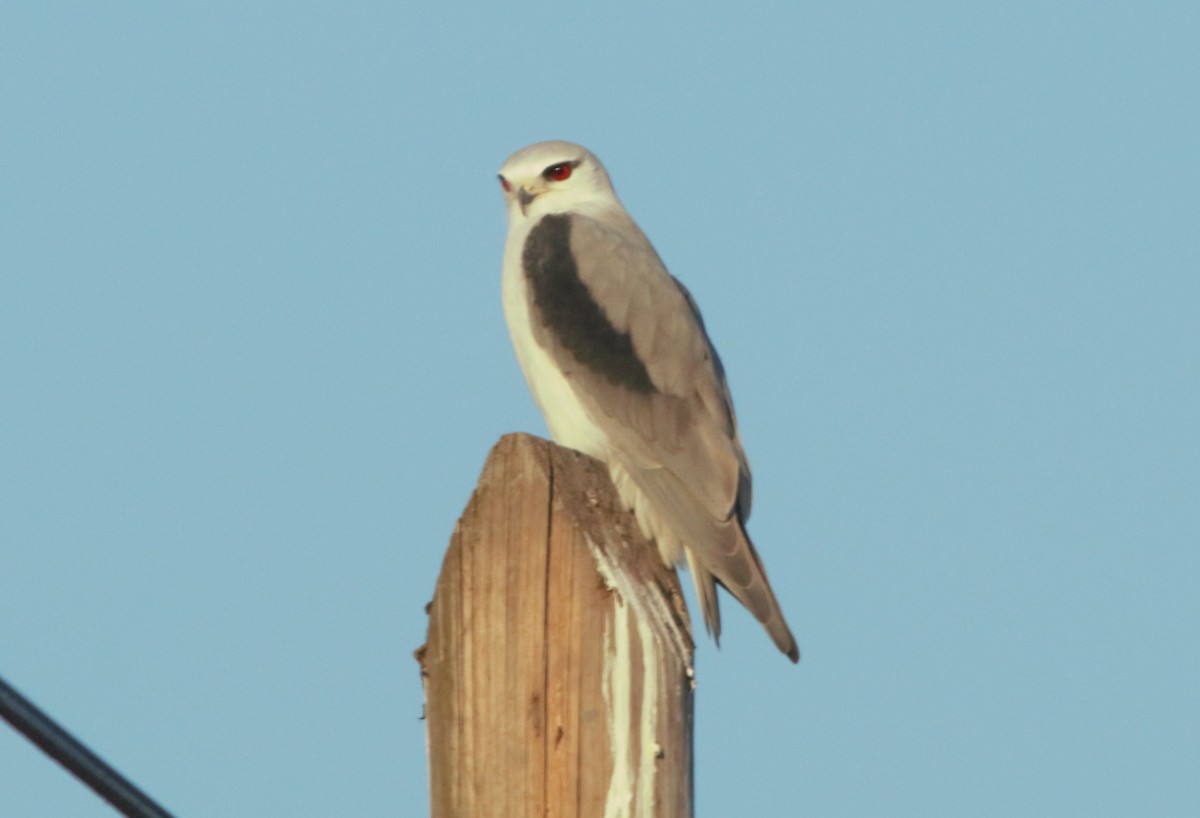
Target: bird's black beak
524, 197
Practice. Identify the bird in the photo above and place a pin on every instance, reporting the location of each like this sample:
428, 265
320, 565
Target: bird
617, 358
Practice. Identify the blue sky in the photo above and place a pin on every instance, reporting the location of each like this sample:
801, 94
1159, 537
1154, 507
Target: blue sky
252, 358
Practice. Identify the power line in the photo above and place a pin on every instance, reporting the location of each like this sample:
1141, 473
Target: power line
81, 762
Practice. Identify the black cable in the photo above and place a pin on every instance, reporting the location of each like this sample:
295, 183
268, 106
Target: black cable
81, 762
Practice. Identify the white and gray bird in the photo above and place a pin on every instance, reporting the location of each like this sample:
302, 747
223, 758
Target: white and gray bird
618, 360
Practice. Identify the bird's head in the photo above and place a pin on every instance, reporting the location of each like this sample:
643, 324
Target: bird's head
555, 177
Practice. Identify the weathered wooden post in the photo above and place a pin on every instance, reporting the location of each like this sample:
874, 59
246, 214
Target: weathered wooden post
558, 662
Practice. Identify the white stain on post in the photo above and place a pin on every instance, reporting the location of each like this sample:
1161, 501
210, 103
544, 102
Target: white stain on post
618, 684
648, 747
642, 610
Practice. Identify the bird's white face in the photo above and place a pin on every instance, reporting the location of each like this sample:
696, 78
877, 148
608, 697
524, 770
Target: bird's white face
554, 177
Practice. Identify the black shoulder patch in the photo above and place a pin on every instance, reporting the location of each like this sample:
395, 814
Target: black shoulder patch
567, 308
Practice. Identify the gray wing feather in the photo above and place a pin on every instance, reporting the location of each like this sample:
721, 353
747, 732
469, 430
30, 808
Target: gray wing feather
679, 442
687, 425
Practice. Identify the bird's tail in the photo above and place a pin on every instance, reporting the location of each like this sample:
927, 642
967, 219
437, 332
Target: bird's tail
747, 581
717, 552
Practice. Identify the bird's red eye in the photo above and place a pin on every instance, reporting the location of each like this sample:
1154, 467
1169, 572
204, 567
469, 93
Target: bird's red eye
558, 173
504, 184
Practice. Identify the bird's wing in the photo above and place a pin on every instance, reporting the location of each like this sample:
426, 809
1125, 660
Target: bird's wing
629, 339
632, 344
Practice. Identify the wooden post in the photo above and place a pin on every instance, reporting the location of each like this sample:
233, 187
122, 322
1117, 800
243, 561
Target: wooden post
558, 662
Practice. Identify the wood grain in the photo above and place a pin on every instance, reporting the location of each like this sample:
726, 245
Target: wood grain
558, 661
